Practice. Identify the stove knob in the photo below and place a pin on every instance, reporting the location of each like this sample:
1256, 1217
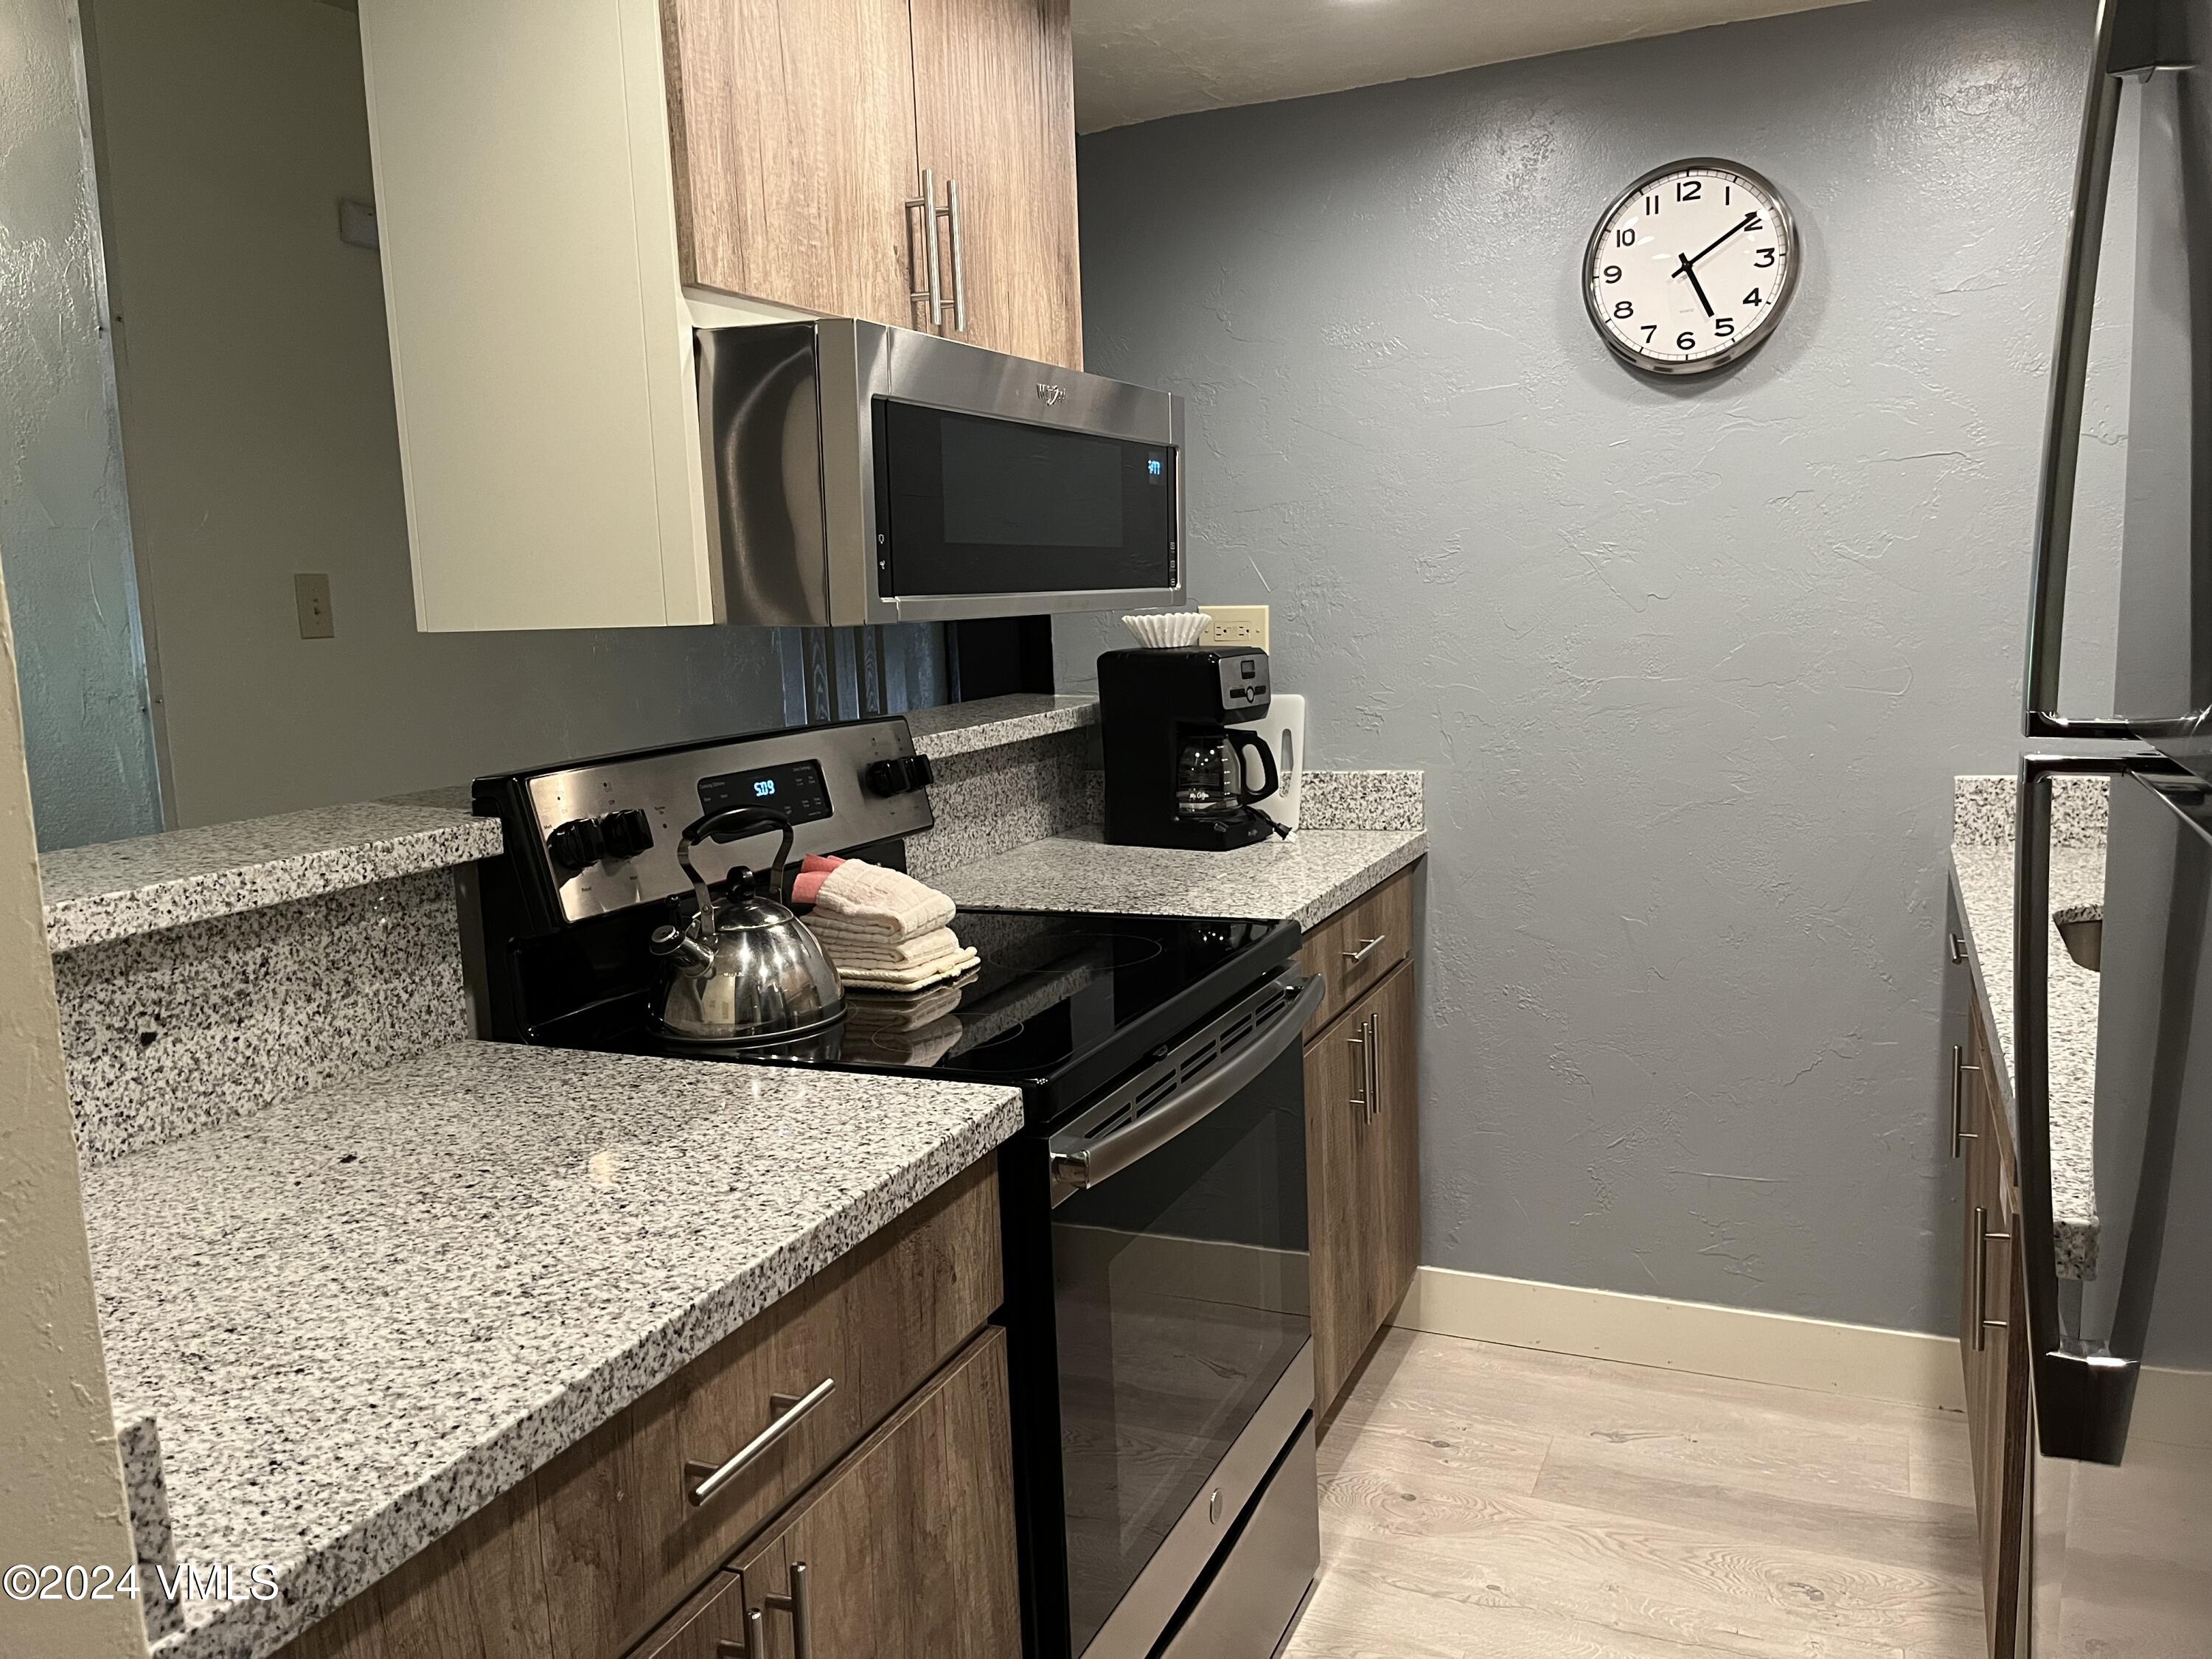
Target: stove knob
575, 845
625, 834
899, 776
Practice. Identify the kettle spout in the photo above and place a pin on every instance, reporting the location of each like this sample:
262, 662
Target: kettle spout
693, 959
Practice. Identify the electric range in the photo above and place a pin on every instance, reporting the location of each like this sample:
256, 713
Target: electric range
1154, 1204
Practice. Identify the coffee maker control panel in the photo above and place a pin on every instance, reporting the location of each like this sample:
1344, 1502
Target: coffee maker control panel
1243, 683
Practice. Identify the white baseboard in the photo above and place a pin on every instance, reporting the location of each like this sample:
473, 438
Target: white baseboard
1688, 1336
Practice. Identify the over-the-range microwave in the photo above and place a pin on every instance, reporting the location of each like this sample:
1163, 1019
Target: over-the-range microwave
857, 473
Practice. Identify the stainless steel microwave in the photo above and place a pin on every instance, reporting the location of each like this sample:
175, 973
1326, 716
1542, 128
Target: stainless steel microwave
857, 473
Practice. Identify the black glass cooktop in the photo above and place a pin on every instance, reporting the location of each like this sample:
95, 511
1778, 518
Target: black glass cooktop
1069, 1001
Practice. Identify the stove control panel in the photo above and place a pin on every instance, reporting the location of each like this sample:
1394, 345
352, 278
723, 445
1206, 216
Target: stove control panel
605, 832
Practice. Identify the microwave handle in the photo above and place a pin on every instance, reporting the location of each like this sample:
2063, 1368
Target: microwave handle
1095, 1161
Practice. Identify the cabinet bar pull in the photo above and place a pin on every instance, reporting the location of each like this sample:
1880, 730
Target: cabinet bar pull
789, 1410
802, 1621
1958, 951
1367, 948
959, 275
754, 1643
1360, 1101
1960, 1132
1982, 1324
1374, 1066
932, 293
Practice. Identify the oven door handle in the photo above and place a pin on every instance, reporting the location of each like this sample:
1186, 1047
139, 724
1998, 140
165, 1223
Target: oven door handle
1080, 1163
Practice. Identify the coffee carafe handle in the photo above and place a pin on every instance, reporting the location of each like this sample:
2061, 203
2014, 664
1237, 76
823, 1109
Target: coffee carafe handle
1238, 740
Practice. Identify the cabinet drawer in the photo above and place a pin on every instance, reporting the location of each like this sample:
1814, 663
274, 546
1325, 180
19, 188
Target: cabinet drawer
623, 1537
1355, 950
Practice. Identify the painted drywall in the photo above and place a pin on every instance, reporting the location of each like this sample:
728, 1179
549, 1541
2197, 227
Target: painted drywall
1139, 60
57, 1458
1692, 665
63, 524
258, 424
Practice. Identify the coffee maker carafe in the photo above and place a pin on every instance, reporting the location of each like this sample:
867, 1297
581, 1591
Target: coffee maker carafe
1171, 725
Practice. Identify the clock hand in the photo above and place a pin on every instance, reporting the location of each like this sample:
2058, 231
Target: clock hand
1743, 223
1683, 269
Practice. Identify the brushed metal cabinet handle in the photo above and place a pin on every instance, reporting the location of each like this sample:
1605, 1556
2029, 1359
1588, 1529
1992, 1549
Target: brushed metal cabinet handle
1359, 1101
1960, 1132
802, 1619
1367, 948
1982, 1324
1374, 1066
713, 1478
753, 1645
1958, 951
959, 268
932, 293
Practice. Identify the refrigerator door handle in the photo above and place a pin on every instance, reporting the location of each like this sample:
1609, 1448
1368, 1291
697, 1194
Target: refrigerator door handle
2083, 1396
2126, 50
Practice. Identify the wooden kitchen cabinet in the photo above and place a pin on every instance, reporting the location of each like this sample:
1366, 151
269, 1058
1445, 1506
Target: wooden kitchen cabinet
913, 1535
1362, 1175
994, 110
602, 1552
1992, 1332
792, 123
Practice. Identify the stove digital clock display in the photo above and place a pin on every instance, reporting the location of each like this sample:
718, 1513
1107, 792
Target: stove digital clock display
795, 789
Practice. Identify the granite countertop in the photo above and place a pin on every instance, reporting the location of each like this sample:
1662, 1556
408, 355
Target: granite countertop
359, 1316
1306, 878
965, 728
1982, 868
119, 888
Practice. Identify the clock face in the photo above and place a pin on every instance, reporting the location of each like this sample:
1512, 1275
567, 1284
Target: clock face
1690, 266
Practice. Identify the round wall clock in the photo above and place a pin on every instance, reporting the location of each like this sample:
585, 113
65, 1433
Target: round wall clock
1691, 267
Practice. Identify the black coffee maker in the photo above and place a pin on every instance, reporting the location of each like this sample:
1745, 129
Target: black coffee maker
1175, 751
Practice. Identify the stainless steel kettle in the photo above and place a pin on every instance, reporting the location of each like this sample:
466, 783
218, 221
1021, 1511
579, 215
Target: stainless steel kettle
744, 969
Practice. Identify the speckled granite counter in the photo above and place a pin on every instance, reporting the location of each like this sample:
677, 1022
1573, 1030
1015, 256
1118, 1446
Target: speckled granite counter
359, 1316
1982, 879
119, 888
1308, 879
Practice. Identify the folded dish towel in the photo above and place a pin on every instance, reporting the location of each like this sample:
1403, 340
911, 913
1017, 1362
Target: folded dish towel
907, 979
861, 947
864, 896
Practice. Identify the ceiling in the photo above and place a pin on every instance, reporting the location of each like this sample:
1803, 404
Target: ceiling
1136, 60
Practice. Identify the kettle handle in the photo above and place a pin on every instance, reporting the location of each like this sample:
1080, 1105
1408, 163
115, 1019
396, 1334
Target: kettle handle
1238, 740
746, 821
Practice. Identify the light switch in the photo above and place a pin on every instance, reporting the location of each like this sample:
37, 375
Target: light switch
312, 595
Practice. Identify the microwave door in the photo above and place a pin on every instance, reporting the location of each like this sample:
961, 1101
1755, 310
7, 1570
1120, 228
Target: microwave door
2122, 1354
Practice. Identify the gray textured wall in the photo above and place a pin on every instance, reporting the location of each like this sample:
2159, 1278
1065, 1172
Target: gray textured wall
64, 530
1691, 666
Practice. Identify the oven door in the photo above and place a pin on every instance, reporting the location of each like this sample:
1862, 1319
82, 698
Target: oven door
1181, 1306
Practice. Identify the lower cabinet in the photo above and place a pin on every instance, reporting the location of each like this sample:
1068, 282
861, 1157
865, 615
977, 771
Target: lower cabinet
1992, 1333
911, 1533
874, 1493
1363, 1152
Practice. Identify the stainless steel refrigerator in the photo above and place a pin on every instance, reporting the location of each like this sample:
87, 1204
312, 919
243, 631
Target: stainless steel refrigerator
2121, 1549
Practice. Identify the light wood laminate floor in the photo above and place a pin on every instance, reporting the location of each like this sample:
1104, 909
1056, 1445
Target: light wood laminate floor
1489, 1503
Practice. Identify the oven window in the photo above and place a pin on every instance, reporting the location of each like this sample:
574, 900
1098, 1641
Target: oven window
972, 505
1181, 1294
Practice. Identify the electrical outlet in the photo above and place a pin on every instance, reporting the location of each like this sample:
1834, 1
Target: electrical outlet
1236, 626
311, 594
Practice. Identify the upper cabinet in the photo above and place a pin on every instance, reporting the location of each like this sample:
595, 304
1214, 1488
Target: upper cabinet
792, 123
994, 111
552, 175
